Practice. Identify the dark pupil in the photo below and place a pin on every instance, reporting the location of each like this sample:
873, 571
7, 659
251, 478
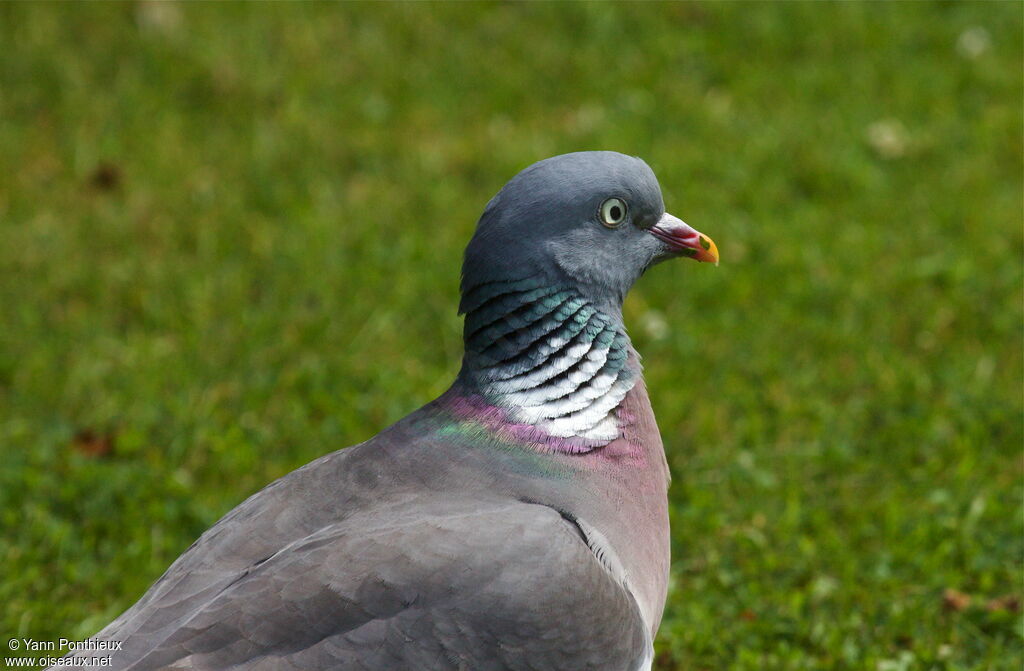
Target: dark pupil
615, 212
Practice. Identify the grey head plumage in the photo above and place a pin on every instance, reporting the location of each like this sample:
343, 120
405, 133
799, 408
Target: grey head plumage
561, 218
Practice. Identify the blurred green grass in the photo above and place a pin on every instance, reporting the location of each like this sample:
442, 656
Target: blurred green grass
231, 243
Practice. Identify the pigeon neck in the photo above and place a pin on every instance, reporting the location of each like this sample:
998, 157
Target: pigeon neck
551, 362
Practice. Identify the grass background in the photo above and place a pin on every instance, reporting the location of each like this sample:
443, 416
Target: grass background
231, 239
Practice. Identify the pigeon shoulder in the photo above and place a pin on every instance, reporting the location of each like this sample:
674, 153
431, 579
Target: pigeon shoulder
323, 492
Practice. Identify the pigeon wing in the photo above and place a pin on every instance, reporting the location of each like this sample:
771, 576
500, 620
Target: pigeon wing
436, 584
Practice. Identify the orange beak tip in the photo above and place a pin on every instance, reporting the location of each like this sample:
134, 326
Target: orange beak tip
710, 250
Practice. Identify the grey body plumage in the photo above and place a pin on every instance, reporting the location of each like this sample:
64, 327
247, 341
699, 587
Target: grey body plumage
519, 521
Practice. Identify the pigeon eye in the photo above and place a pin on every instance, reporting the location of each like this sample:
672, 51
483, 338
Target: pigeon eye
613, 212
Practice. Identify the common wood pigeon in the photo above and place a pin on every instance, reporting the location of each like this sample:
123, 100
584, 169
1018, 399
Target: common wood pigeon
517, 522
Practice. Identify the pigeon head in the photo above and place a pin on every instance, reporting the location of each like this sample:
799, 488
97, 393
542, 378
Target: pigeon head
593, 220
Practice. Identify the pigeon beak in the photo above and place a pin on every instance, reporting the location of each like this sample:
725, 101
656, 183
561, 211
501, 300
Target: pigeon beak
681, 240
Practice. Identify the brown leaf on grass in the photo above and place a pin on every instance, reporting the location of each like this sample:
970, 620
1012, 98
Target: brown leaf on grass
105, 177
92, 444
1008, 603
748, 615
665, 660
954, 600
